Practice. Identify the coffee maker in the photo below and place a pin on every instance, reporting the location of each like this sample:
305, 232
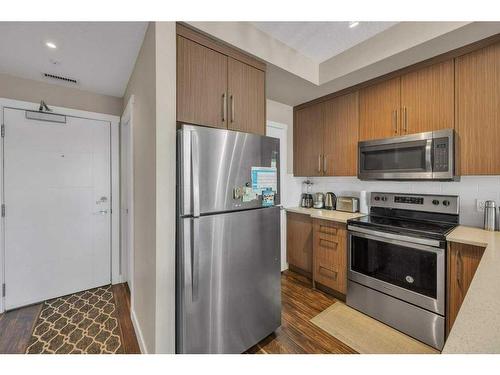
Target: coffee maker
306, 199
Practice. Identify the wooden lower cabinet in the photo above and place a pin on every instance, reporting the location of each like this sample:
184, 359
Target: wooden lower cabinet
462, 263
330, 255
299, 241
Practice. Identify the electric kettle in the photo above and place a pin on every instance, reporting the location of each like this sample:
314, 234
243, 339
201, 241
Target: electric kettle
330, 201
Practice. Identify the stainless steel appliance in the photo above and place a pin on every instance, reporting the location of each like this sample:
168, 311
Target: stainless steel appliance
423, 156
228, 245
330, 201
319, 200
490, 213
347, 204
306, 199
397, 262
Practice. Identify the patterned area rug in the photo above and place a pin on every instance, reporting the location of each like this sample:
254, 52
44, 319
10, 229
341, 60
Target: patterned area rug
80, 323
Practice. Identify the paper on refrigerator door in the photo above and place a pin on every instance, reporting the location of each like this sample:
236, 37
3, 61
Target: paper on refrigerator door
263, 178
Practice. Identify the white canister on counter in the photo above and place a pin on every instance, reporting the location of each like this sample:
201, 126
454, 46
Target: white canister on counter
363, 202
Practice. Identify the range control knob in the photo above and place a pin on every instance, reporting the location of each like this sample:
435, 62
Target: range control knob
435, 202
446, 203
377, 198
384, 199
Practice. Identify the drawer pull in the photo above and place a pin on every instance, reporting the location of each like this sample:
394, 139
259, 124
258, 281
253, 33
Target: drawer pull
328, 244
327, 230
328, 273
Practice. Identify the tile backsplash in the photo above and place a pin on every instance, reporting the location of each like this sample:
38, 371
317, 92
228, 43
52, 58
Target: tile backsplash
469, 189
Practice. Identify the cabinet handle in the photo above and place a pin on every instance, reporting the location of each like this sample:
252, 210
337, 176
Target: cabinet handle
224, 107
319, 163
405, 122
232, 108
325, 157
395, 121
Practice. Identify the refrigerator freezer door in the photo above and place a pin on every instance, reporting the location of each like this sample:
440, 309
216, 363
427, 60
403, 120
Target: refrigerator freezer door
228, 281
221, 161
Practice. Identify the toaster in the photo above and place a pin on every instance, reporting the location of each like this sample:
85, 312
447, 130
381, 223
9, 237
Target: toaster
348, 204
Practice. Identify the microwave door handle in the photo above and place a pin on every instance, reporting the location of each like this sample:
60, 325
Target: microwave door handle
428, 156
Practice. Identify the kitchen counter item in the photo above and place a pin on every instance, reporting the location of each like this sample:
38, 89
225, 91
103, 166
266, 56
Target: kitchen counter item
330, 201
319, 200
490, 213
306, 200
363, 202
347, 204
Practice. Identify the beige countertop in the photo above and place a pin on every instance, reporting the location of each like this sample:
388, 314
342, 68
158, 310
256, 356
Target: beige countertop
477, 326
338, 216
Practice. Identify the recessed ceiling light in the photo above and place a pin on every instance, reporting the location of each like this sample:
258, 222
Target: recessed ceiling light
353, 24
51, 45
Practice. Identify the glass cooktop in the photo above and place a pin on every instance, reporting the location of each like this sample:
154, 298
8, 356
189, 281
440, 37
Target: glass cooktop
428, 229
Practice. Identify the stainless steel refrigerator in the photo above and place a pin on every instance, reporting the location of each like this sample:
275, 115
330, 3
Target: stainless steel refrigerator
228, 244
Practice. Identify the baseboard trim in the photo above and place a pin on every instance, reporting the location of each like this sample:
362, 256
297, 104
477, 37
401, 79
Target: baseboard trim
138, 332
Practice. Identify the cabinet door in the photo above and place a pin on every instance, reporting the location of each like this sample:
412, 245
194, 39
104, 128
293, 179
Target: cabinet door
201, 84
379, 114
427, 97
247, 98
330, 255
477, 80
299, 241
463, 261
308, 141
340, 141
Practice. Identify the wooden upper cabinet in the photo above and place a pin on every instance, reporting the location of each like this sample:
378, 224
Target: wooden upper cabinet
340, 141
247, 100
308, 141
477, 81
201, 84
427, 99
379, 114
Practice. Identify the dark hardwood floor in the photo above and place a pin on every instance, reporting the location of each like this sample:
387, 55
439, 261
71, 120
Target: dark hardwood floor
17, 325
297, 334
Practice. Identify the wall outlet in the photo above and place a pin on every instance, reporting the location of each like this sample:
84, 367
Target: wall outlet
480, 205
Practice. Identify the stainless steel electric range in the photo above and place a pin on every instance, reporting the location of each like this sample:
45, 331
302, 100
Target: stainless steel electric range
397, 262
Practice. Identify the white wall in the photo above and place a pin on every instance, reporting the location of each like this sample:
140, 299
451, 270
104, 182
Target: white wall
142, 85
55, 95
468, 188
165, 185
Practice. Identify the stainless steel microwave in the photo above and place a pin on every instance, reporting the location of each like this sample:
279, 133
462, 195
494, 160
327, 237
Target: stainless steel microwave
423, 156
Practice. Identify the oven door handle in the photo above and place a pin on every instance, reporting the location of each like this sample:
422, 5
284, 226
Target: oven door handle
396, 239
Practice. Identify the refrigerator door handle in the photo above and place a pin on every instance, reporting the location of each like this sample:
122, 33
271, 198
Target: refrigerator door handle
195, 259
195, 170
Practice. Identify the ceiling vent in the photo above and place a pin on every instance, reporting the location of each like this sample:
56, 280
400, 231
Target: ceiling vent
60, 78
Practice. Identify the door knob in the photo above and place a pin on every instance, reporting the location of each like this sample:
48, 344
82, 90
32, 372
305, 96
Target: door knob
101, 212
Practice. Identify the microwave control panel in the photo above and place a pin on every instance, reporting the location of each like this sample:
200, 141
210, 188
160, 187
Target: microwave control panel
441, 149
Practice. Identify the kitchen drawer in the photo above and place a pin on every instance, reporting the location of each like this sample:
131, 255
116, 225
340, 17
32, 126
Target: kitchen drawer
330, 254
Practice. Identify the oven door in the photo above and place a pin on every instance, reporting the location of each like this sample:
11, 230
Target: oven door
407, 158
411, 272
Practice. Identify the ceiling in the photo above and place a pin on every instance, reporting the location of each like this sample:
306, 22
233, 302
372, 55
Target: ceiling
322, 40
99, 55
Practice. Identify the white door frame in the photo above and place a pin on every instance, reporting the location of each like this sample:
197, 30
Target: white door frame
127, 116
114, 121
283, 184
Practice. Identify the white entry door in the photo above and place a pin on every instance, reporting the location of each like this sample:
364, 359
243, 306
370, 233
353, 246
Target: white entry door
57, 194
